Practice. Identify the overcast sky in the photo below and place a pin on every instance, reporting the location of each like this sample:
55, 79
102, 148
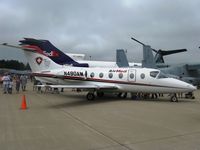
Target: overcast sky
99, 27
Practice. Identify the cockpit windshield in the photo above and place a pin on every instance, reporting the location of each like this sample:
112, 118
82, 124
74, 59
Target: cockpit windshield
157, 74
154, 74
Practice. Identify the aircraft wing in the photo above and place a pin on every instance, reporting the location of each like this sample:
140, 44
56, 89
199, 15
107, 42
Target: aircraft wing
193, 66
98, 87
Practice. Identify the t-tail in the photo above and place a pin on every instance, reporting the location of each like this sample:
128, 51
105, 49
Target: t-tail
45, 47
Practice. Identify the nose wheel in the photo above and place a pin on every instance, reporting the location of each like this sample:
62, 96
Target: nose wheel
174, 98
90, 96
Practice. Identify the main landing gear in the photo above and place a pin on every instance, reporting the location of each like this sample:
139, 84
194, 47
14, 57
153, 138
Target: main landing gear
91, 95
122, 95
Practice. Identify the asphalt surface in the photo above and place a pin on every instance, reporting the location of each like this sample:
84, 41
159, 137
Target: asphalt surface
67, 121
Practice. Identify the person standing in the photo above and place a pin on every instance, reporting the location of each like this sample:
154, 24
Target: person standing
6, 81
1, 81
17, 81
23, 80
10, 86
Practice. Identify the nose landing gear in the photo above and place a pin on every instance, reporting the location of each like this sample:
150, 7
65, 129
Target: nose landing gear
174, 98
90, 96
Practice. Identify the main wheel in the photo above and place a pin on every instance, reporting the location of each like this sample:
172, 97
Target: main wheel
174, 99
125, 95
90, 96
119, 95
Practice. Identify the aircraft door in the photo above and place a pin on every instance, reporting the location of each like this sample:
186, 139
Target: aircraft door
132, 75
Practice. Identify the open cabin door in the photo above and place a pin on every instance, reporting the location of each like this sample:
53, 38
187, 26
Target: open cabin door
132, 75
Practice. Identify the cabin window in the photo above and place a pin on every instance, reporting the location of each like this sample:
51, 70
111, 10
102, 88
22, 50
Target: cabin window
154, 74
92, 75
131, 75
101, 75
120, 75
110, 75
142, 76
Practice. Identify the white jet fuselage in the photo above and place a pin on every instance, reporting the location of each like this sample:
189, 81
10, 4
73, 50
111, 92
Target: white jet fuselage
124, 79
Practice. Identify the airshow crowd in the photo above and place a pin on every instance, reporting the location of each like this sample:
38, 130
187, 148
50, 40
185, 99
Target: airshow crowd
11, 82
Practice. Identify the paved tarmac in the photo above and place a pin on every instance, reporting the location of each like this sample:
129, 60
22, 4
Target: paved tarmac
67, 121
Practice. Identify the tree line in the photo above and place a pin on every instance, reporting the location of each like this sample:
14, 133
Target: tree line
14, 64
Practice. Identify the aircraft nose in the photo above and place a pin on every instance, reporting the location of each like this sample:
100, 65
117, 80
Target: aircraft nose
191, 87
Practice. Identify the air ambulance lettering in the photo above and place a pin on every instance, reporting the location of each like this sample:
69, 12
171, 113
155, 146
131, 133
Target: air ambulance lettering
117, 70
74, 73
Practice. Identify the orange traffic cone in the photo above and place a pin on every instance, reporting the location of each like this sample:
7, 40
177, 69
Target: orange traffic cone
23, 105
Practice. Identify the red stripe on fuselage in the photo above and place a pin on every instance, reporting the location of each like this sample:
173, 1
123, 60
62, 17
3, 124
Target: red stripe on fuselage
98, 80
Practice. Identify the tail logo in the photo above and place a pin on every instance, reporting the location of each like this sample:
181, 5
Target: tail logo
39, 60
51, 53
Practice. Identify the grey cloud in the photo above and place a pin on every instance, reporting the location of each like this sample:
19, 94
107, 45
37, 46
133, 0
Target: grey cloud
98, 28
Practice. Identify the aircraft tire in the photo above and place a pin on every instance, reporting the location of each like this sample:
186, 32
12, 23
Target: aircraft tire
125, 95
90, 96
119, 95
174, 99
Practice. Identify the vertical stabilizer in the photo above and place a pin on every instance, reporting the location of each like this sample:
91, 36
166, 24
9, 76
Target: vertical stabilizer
46, 48
39, 62
121, 58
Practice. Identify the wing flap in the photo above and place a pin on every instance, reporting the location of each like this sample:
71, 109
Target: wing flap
81, 86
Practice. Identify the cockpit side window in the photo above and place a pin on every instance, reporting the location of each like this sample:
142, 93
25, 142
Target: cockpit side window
154, 74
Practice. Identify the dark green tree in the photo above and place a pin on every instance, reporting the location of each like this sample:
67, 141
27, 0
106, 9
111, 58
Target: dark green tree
14, 64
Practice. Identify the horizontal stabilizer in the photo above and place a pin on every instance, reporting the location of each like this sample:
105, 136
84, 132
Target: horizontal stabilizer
19, 47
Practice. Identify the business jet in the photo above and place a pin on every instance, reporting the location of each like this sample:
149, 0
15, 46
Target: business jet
98, 80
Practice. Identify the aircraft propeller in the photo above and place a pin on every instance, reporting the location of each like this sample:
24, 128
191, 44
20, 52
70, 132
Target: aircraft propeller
160, 53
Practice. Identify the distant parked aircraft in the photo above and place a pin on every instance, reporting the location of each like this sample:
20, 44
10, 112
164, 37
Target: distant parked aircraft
189, 73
